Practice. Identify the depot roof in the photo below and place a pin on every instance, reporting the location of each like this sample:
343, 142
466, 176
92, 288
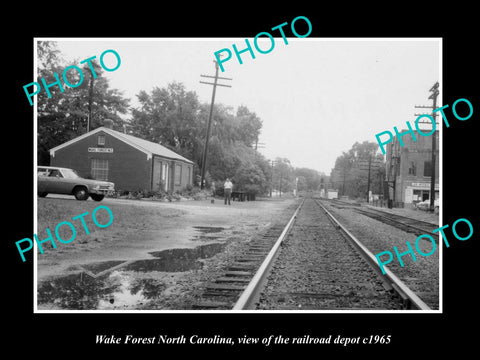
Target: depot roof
148, 147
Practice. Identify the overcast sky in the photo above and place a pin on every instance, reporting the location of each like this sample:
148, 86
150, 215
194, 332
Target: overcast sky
316, 97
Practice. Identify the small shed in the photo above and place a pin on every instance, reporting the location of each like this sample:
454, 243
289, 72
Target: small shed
128, 161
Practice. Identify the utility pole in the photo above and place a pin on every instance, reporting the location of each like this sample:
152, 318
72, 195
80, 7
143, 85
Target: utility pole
368, 165
368, 181
435, 92
344, 177
271, 177
90, 103
280, 183
391, 173
256, 145
209, 125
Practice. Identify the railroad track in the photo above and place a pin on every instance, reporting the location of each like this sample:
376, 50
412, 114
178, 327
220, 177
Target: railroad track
311, 263
407, 224
417, 227
223, 292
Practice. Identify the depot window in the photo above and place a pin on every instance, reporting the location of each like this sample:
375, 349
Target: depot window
101, 140
100, 169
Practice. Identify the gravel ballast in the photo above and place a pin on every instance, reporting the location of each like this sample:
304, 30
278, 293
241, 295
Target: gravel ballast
422, 275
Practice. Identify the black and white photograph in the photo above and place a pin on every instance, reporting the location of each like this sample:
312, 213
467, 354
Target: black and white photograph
282, 182
237, 189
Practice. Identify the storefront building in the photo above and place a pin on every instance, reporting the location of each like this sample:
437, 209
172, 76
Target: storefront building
409, 170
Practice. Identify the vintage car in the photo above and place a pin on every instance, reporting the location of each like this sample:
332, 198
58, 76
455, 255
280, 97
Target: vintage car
425, 205
59, 180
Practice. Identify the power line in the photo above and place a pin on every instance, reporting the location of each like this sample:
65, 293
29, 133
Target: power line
209, 125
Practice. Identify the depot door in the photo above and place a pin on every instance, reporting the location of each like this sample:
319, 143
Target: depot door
157, 174
165, 175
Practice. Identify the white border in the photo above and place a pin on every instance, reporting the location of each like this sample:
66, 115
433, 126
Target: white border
305, 312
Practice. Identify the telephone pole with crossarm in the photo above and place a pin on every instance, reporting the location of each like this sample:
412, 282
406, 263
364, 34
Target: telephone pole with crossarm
209, 124
435, 92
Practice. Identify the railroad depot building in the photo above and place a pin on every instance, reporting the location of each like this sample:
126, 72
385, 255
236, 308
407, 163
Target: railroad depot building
409, 169
128, 161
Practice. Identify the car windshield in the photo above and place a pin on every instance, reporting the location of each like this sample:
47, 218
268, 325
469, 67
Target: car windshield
70, 174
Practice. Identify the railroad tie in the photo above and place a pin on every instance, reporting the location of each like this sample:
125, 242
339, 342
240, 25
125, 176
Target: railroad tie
225, 287
212, 305
238, 273
232, 279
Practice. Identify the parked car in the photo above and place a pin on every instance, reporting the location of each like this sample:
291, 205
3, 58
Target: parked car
59, 180
425, 205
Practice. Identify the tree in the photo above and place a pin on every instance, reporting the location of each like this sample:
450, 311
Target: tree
283, 175
250, 176
350, 174
341, 172
173, 117
248, 126
170, 116
248, 170
308, 179
65, 115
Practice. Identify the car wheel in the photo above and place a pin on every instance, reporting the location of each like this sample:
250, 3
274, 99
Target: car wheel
42, 194
97, 197
81, 193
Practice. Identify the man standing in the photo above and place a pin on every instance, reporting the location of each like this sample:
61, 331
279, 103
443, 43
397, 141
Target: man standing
227, 190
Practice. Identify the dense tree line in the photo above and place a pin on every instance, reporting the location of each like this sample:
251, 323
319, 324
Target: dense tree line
170, 115
66, 115
350, 175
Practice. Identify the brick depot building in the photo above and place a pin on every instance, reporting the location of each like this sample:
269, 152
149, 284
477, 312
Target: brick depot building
128, 161
409, 169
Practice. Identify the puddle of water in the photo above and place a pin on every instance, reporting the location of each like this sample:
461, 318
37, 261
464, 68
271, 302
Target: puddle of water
205, 238
98, 267
209, 229
131, 291
166, 265
205, 230
124, 287
76, 291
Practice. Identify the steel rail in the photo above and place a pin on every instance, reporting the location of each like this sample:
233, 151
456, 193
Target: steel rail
399, 286
397, 216
401, 223
250, 294
392, 217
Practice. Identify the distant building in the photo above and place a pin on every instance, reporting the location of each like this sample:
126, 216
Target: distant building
409, 169
128, 161
332, 194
